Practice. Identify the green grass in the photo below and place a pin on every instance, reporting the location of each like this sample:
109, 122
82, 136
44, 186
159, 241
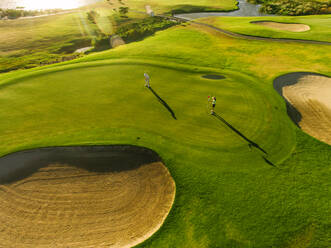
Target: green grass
30, 34
46, 39
319, 26
227, 195
42, 38
183, 6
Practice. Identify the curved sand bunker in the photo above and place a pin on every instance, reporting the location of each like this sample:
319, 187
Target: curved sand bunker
99, 196
292, 27
308, 97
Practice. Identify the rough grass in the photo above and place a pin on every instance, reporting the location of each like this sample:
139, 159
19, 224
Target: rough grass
319, 26
227, 194
31, 34
184, 6
43, 38
46, 39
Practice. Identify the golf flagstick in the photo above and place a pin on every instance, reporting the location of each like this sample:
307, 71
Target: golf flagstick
208, 105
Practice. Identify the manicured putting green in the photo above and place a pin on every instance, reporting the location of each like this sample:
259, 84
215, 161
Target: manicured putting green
72, 100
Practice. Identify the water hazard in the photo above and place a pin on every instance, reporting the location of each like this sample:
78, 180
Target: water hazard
245, 9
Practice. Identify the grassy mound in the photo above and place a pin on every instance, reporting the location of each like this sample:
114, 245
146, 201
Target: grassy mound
247, 177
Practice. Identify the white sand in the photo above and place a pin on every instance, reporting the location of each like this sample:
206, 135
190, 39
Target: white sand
311, 96
292, 27
66, 206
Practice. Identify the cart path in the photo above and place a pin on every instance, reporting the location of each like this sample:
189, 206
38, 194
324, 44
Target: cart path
237, 35
250, 37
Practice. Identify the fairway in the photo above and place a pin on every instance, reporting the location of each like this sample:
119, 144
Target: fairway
174, 6
245, 177
313, 27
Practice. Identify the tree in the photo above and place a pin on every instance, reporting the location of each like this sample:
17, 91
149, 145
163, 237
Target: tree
92, 15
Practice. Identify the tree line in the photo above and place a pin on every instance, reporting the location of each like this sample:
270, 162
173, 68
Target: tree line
294, 7
20, 12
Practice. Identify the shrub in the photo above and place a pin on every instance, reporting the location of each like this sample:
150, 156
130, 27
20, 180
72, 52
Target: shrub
123, 10
140, 29
294, 7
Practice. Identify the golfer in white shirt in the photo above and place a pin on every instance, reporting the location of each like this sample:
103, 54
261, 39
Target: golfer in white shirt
147, 78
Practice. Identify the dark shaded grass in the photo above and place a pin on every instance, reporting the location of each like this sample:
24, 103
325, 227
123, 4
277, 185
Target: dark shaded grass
99, 159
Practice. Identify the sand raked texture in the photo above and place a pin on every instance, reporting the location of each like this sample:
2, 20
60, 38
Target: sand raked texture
311, 96
292, 27
61, 205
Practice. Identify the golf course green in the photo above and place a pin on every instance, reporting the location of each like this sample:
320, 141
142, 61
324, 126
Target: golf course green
319, 26
245, 177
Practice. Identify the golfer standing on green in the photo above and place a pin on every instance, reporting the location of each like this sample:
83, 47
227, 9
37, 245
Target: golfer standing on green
213, 104
147, 78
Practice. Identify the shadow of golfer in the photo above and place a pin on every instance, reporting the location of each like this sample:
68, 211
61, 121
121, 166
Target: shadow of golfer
268, 162
250, 143
163, 103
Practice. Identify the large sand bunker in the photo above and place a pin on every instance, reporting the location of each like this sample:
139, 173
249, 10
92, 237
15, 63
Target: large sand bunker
98, 196
292, 27
308, 97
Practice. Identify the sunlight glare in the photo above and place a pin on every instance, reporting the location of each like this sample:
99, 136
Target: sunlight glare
50, 4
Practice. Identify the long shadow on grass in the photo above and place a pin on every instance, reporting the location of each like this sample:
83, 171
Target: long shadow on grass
163, 103
250, 143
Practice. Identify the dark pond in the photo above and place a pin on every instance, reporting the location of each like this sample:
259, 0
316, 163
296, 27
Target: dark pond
245, 9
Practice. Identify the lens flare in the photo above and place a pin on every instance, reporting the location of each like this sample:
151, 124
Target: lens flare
44, 4
58, 4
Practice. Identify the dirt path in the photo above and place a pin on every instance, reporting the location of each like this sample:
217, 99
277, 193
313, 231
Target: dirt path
115, 196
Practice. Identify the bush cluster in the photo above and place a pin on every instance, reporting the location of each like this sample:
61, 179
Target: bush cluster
100, 43
131, 31
294, 7
72, 45
140, 29
92, 15
123, 10
26, 61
